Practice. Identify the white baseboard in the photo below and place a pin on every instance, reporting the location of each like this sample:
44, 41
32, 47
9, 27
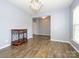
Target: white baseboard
66, 42
29, 37
74, 47
43, 34
60, 41
5, 46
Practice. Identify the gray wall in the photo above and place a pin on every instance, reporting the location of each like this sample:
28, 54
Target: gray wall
36, 26
41, 26
75, 4
12, 18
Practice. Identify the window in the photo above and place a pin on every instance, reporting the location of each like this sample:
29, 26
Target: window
76, 24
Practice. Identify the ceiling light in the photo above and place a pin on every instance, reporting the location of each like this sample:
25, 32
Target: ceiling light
35, 5
44, 17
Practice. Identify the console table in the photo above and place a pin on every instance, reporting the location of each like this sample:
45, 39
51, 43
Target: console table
18, 36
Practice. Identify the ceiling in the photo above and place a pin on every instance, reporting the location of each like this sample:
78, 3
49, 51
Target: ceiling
48, 5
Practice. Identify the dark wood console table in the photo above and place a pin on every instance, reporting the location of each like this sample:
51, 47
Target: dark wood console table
18, 36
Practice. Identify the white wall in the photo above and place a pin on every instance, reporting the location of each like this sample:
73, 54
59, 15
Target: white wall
10, 18
41, 26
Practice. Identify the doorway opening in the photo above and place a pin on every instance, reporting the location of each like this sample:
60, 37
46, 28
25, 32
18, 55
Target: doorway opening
41, 26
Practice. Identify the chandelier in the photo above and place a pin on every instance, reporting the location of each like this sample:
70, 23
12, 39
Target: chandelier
35, 5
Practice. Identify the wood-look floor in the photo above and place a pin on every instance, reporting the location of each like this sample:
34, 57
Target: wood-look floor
40, 47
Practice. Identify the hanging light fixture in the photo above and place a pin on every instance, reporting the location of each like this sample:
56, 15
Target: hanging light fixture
35, 5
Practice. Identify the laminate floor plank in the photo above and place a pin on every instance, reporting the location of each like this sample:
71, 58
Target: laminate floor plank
40, 47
